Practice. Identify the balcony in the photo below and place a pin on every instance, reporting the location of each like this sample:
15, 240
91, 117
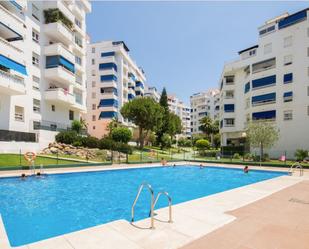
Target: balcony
12, 26
61, 7
78, 103
86, 5
60, 74
59, 95
11, 51
58, 49
11, 84
77, 11
59, 32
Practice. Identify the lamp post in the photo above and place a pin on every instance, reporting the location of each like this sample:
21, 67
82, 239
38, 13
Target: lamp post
244, 135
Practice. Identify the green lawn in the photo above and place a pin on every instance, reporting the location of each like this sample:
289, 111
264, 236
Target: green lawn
11, 160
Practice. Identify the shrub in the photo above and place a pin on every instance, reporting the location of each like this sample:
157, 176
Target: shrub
166, 141
236, 156
121, 134
202, 144
106, 144
76, 126
55, 15
248, 156
301, 154
184, 142
265, 157
90, 142
123, 148
66, 137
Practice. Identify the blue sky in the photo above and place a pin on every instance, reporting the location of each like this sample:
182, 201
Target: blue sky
183, 45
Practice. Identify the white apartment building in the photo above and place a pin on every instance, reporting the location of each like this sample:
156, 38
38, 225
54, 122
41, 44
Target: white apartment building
42, 70
177, 107
113, 79
204, 104
270, 82
153, 93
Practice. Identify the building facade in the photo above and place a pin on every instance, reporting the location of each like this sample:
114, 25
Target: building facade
270, 82
177, 107
42, 70
204, 104
153, 93
113, 79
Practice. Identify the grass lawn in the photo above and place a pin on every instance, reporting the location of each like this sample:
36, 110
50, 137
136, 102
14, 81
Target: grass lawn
11, 160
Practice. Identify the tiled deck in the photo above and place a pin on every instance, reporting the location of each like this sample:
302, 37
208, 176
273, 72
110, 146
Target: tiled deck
279, 221
191, 220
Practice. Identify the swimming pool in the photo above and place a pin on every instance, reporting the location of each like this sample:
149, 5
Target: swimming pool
39, 208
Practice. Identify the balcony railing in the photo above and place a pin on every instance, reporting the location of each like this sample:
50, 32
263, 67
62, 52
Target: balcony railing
16, 79
6, 43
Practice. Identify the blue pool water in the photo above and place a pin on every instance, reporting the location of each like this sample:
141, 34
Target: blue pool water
40, 208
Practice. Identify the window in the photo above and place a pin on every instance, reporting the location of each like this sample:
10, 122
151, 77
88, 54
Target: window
35, 36
229, 80
266, 115
288, 78
264, 65
288, 96
35, 83
229, 108
53, 108
94, 106
229, 122
267, 48
93, 50
71, 115
92, 61
35, 59
107, 54
288, 59
78, 60
93, 95
267, 30
229, 94
78, 23
19, 113
93, 127
93, 83
36, 79
247, 87
308, 52
35, 12
36, 105
288, 115
288, 41
78, 41
93, 118
93, 72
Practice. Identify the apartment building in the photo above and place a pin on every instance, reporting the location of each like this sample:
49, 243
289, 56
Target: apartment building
113, 79
42, 70
153, 93
204, 104
270, 82
178, 107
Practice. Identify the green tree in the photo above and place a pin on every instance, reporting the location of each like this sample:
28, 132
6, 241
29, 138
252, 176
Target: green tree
217, 140
262, 135
164, 127
121, 134
111, 126
209, 127
166, 141
174, 126
76, 126
202, 145
301, 154
145, 113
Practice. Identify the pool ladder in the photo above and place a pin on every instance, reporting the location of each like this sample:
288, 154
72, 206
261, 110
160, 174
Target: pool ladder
153, 202
296, 165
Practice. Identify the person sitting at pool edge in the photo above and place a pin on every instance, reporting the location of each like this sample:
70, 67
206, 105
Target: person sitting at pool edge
163, 161
246, 169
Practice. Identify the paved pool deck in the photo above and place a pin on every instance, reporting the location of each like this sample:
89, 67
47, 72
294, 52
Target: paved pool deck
192, 220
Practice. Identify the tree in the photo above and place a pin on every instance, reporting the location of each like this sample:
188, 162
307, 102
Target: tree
202, 144
174, 126
301, 154
262, 135
166, 141
76, 126
209, 128
145, 113
164, 127
217, 140
111, 126
121, 134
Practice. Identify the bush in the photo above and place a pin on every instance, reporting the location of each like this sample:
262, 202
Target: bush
66, 137
55, 15
184, 142
301, 154
106, 144
202, 144
230, 150
123, 148
236, 156
76, 126
248, 156
90, 142
121, 134
166, 141
265, 157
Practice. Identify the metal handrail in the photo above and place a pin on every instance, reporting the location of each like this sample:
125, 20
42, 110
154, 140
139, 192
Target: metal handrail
296, 165
169, 203
151, 202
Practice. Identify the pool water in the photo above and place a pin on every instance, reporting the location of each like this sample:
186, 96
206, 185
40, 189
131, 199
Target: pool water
39, 208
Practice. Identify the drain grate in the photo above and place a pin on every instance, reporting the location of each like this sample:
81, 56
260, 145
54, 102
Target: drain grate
299, 201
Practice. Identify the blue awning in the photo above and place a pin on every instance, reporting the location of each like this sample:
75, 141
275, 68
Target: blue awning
107, 54
109, 65
288, 94
269, 97
108, 115
293, 19
263, 82
264, 115
108, 102
10, 64
229, 108
67, 64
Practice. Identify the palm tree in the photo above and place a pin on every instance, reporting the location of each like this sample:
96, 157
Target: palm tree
209, 127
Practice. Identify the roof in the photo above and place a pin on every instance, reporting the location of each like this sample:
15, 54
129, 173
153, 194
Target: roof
247, 49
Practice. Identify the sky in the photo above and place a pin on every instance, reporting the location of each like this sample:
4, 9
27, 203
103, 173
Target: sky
183, 45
